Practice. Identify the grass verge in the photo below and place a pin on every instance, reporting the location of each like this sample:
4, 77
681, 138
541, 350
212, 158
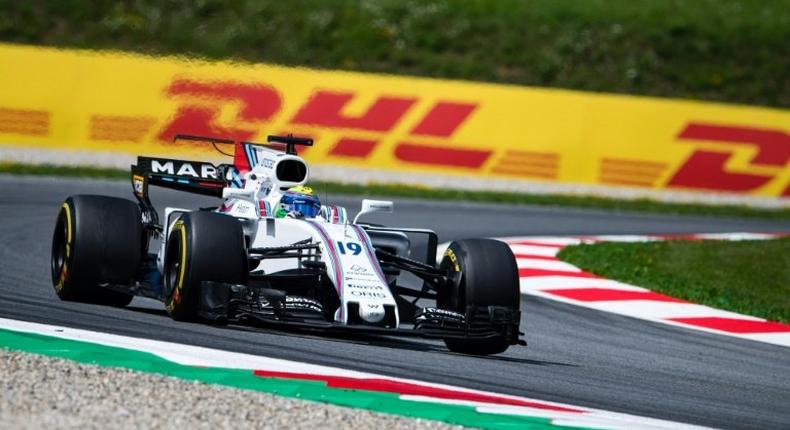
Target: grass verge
749, 277
399, 190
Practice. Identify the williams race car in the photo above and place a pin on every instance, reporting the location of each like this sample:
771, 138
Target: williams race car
270, 254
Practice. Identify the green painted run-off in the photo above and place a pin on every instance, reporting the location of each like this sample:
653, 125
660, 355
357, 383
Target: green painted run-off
90, 353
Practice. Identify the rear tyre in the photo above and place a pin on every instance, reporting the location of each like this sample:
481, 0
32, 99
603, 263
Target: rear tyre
203, 246
97, 240
485, 274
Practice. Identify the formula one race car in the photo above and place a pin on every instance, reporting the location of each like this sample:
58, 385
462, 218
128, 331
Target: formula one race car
271, 254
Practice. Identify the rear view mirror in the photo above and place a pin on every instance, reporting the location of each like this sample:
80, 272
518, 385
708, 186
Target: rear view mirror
369, 206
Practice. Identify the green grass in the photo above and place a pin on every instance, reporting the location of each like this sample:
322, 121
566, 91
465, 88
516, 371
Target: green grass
729, 50
399, 190
750, 277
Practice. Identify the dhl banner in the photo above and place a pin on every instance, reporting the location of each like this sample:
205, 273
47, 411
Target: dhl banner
133, 104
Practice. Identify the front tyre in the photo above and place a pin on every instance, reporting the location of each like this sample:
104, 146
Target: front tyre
483, 274
97, 240
202, 246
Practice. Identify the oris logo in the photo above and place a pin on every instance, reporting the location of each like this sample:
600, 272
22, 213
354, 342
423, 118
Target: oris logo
365, 287
369, 294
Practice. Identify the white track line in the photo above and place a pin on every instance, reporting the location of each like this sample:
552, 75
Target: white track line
199, 356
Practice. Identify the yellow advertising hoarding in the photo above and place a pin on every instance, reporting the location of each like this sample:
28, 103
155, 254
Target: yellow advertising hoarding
134, 104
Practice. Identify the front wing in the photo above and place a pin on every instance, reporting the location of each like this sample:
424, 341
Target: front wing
222, 303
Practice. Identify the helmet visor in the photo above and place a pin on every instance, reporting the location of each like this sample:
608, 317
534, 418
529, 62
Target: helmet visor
307, 208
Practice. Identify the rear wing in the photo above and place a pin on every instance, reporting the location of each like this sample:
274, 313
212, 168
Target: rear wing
287, 143
191, 176
201, 177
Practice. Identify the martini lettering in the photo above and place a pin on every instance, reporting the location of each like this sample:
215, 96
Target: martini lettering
184, 168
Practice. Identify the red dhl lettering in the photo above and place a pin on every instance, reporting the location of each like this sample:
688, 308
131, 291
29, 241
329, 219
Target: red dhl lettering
774, 145
444, 119
259, 103
202, 103
325, 108
441, 156
350, 147
705, 169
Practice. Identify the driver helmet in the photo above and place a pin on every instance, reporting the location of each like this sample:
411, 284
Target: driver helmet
298, 202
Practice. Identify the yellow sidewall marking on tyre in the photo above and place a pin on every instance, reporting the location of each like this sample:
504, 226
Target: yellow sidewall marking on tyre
68, 229
183, 257
64, 269
449, 253
179, 283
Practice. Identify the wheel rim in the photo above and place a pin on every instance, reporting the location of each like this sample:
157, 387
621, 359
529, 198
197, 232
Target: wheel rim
173, 266
59, 250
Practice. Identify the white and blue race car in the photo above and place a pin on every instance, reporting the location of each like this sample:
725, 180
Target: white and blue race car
271, 255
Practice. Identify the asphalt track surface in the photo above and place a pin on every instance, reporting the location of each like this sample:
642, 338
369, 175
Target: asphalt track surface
575, 355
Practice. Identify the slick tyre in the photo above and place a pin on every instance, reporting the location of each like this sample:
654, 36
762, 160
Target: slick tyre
97, 240
202, 246
485, 274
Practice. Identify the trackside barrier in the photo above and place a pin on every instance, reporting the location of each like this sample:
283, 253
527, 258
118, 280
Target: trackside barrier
133, 104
